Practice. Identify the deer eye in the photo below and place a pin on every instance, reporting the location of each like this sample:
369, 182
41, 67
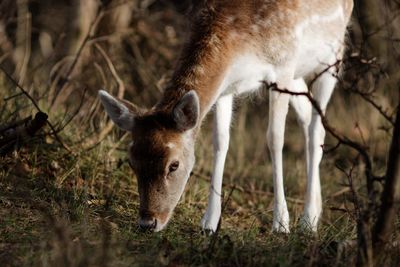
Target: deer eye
173, 166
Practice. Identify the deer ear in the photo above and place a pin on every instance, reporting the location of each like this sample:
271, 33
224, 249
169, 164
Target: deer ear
121, 113
186, 113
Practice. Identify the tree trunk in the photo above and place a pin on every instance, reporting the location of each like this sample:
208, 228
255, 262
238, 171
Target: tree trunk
370, 17
384, 226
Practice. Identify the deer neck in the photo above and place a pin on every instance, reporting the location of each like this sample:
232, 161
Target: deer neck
202, 67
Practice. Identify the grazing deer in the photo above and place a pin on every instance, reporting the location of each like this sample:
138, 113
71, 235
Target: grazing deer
234, 46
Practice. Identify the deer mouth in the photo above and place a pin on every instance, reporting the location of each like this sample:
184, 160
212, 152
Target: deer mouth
162, 221
154, 223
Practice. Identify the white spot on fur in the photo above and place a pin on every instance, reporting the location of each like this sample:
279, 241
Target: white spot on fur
255, 28
234, 34
170, 145
198, 69
189, 82
230, 20
214, 40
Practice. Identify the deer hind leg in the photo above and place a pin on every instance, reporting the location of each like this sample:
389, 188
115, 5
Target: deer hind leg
303, 109
278, 108
222, 121
322, 91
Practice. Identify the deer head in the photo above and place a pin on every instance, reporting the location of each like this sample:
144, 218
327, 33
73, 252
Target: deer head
161, 152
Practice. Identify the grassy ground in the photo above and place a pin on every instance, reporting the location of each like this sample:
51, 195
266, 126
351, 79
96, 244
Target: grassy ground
80, 207
59, 208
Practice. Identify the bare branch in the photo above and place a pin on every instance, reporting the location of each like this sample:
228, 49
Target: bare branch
379, 108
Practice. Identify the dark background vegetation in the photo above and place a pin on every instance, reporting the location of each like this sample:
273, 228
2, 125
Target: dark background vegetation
69, 198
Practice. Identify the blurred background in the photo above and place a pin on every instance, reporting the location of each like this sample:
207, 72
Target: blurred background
62, 52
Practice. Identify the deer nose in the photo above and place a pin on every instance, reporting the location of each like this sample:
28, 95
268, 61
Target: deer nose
147, 223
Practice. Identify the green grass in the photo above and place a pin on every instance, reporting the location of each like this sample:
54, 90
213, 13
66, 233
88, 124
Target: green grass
59, 208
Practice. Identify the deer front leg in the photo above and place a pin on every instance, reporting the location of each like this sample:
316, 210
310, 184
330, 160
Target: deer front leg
278, 108
222, 121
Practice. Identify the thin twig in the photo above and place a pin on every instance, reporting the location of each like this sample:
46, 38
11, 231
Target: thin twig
379, 108
20, 88
62, 127
12, 97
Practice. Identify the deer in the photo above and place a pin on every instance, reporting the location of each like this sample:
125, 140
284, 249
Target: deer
234, 47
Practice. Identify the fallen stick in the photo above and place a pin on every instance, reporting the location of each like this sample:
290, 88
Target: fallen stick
8, 126
22, 131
